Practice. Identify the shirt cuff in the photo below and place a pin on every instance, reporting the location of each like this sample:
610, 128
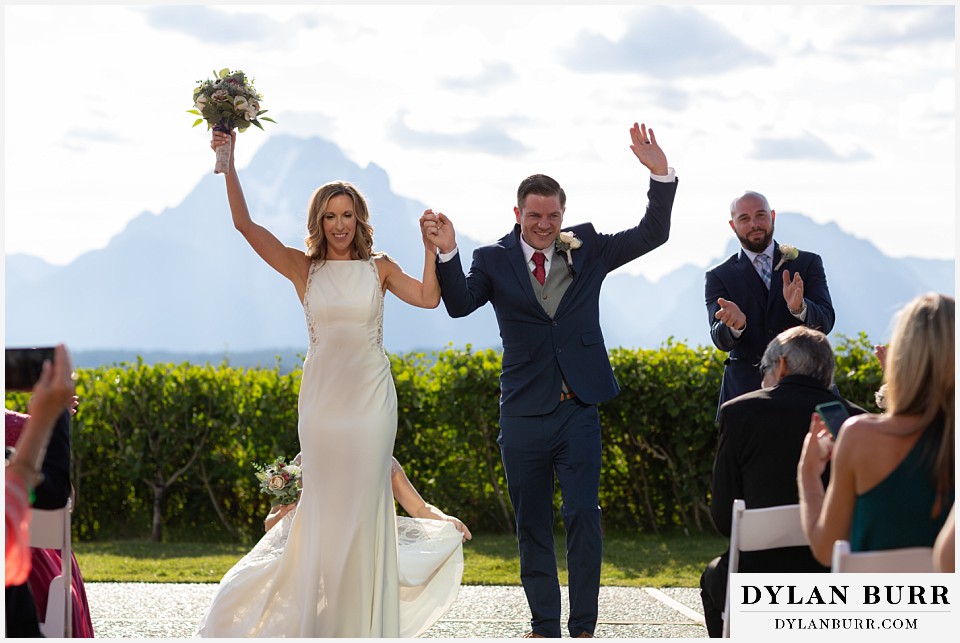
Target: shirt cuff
669, 177
802, 315
447, 256
736, 333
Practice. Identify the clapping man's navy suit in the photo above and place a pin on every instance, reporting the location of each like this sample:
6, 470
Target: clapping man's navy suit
744, 312
555, 370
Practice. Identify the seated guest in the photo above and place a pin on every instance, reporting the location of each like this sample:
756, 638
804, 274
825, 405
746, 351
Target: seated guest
892, 475
52, 394
761, 434
52, 493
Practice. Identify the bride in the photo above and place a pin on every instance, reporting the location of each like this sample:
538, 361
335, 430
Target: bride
430, 560
337, 574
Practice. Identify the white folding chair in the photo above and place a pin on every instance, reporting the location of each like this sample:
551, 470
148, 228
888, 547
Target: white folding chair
50, 529
756, 529
891, 561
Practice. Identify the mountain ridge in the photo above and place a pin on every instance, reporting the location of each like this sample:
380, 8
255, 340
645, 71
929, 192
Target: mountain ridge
184, 282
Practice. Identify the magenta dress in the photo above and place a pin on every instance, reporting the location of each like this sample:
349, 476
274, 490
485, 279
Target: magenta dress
45, 563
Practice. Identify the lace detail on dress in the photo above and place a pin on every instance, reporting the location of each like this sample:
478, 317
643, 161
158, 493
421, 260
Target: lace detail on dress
271, 545
410, 532
312, 333
376, 274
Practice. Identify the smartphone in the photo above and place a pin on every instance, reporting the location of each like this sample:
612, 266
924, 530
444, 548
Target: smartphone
24, 366
833, 414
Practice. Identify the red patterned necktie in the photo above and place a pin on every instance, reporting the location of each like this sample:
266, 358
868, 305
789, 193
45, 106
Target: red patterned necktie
538, 272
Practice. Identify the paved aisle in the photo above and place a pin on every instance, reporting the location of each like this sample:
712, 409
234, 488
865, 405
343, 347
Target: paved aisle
172, 610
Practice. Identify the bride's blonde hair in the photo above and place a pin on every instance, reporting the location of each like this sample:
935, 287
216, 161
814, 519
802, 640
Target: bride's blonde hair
316, 242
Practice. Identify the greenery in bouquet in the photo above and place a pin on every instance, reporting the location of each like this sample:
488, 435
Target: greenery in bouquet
280, 480
228, 101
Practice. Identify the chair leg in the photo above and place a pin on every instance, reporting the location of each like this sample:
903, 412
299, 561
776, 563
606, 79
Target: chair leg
53, 622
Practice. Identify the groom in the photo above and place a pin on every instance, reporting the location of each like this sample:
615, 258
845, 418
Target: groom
544, 285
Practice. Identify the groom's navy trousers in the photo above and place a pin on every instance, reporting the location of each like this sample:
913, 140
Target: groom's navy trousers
565, 443
542, 438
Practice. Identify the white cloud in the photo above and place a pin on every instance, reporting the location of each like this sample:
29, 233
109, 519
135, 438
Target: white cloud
206, 24
665, 42
806, 147
457, 104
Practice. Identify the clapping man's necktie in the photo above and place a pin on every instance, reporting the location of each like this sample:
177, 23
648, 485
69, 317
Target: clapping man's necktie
762, 262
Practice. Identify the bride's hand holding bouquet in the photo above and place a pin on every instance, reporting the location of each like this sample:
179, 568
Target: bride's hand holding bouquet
227, 102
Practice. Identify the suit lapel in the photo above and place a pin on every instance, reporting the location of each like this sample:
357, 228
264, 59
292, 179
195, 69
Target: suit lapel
776, 278
568, 294
511, 244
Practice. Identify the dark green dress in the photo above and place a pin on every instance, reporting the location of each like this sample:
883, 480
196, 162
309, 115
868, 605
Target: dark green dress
896, 512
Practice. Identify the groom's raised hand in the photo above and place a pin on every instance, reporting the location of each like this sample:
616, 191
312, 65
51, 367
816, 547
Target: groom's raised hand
645, 147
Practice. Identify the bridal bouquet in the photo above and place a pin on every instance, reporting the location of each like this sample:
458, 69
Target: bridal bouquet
226, 102
280, 480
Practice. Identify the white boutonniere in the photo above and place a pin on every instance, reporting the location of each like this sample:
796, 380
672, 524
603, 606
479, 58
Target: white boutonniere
566, 243
787, 253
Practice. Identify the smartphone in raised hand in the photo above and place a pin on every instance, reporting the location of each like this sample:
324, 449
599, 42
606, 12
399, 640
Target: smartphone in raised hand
833, 415
24, 366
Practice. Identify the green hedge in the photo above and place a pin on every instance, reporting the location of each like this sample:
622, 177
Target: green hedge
166, 451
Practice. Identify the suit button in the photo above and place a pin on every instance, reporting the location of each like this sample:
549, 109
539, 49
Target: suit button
558, 350
544, 295
555, 324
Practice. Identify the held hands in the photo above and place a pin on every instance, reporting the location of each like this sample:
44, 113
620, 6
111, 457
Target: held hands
644, 146
428, 228
437, 229
793, 292
730, 314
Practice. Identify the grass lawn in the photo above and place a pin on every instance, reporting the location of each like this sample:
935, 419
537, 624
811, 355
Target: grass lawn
632, 560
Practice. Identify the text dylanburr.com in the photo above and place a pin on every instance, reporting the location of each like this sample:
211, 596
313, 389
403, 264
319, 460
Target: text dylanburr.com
848, 607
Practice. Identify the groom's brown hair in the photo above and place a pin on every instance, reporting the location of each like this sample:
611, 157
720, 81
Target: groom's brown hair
542, 185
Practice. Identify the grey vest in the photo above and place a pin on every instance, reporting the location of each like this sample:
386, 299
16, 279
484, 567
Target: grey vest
556, 283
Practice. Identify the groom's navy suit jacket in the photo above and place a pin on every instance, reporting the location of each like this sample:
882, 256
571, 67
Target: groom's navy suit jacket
538, 351
767, 313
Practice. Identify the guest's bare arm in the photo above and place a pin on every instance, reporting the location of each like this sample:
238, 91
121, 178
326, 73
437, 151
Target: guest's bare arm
414, 504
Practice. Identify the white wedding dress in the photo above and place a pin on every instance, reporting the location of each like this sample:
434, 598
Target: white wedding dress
330, 568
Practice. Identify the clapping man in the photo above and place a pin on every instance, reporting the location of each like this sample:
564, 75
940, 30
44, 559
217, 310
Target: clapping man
760, 291
544, 286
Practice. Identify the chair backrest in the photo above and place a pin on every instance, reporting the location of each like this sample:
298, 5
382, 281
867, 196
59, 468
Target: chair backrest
50, 529
756, 529
890, 561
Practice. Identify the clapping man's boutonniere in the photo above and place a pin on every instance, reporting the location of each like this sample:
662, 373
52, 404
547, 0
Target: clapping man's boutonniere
787, 253
567, 242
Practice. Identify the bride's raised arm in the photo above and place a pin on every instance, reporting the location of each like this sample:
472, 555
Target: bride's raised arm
425, 293
292, 263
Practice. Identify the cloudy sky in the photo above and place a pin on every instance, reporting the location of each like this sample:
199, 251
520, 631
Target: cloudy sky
843, 113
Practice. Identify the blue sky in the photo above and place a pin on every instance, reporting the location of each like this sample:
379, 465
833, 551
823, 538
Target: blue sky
844, 113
